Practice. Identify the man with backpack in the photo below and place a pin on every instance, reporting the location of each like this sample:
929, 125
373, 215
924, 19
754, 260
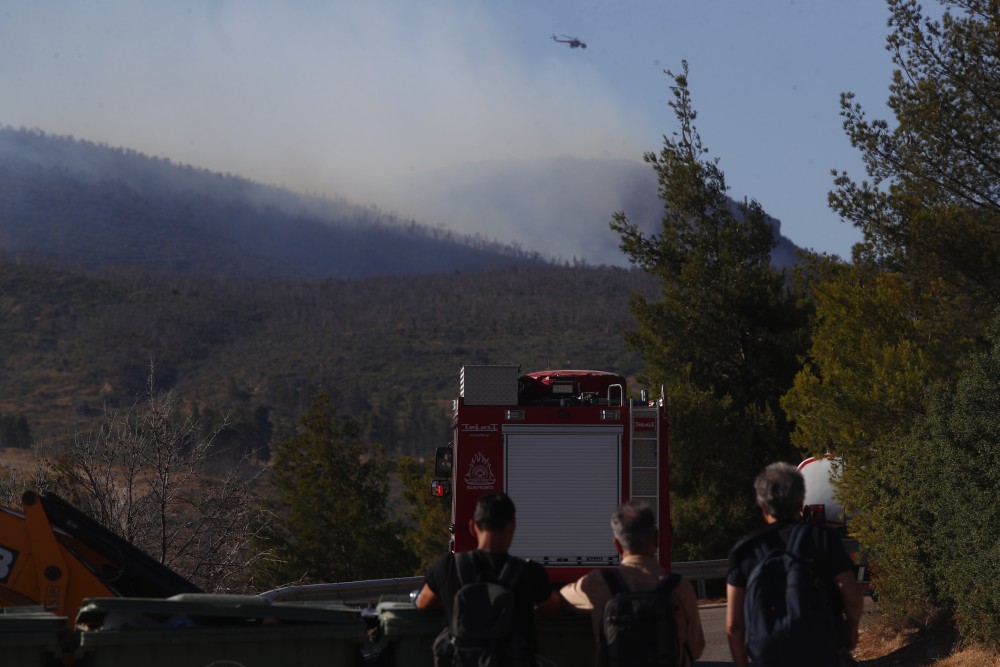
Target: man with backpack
488, 596
641, 614
792, 596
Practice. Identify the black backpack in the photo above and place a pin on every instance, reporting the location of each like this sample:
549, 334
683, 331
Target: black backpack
639, 628
787, 610
480, 633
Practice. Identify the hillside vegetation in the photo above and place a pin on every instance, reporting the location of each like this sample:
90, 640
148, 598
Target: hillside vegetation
74, 342
250, 299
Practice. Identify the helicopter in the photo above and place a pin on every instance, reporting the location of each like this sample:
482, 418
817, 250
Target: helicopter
574, 43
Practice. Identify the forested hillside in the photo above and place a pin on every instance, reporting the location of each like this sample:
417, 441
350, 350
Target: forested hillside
387, 349
249, 299
96, 206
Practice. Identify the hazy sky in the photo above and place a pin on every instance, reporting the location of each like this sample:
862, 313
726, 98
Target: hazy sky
338, 97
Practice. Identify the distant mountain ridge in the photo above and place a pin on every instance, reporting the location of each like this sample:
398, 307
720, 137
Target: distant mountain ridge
94, 205
561, 207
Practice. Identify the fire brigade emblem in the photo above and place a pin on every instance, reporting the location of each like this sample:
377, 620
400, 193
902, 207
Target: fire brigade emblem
480, 475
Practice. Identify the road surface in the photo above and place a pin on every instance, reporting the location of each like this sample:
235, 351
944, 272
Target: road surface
713, 622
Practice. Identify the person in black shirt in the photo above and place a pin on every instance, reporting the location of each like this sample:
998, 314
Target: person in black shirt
493, 525
780, 491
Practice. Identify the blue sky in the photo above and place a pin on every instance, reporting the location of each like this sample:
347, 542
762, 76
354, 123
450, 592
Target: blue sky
343, 97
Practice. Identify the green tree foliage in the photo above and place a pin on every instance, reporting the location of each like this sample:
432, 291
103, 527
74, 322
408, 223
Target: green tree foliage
334, 492
875, 350
74, 342
934, 500
723, 335
429, 517
14, 431
863, 382
407, 421
903, 321
932, 204
872, 354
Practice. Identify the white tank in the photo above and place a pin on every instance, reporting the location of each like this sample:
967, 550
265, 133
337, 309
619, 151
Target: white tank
819, 474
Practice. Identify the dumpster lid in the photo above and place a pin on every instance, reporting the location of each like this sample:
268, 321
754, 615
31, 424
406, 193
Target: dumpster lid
30, 618
203, 608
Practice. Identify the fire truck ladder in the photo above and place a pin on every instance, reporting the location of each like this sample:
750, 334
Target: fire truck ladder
643, 457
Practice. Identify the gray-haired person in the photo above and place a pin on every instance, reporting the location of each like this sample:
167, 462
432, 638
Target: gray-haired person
636, 537
780, 491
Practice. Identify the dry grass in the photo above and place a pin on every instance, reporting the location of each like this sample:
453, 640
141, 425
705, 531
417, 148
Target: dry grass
876, 639
971, 657
22, 459
880, 643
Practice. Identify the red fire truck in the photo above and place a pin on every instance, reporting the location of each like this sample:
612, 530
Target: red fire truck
568, 446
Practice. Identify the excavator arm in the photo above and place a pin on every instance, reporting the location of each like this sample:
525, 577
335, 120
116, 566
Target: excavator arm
54, 555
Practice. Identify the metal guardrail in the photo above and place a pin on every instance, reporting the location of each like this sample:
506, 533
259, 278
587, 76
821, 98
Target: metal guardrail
700, 571
364, 592
349, 591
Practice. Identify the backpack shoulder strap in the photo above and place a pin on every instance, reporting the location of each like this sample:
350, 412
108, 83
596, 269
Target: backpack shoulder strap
613, 578
760, 548
668, 583
799, 531
465, 566
511, 571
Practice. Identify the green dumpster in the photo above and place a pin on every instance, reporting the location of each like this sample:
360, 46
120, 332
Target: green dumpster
198, 630
407, 633
31, 636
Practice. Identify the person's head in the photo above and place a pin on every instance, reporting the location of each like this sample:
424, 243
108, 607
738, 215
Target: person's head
634, 527
781, 490
493, 522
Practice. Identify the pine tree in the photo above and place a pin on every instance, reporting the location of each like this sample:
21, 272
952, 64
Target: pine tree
429, 517
723, 336
931, 204
911, 313
333, 493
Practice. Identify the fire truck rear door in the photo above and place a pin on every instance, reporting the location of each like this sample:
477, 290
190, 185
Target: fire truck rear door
566, 483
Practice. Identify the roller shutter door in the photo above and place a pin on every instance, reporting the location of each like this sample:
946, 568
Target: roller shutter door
565, 485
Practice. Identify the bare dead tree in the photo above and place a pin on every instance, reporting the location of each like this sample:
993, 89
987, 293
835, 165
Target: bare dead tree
145, 475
